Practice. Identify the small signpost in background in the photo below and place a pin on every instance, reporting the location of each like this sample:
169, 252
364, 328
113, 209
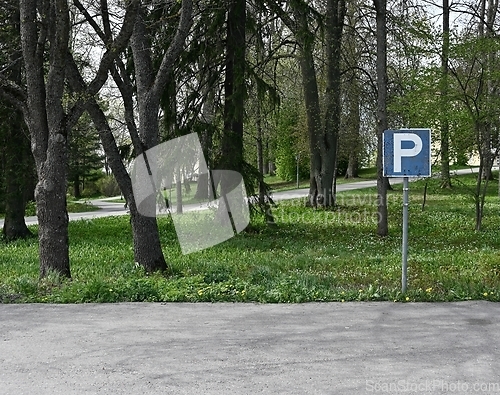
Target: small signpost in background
406, 153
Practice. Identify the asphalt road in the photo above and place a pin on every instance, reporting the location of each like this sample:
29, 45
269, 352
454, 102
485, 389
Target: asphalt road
226, 348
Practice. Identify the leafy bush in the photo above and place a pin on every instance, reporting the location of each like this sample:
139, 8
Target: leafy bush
91, 189
108, 186
30, 209
288, 145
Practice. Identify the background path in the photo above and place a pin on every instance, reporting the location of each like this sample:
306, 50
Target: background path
108, 208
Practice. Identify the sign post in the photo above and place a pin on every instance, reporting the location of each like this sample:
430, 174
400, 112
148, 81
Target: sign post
404, 248
406, 153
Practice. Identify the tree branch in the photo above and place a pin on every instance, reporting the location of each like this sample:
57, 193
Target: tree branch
115, 47
175, 48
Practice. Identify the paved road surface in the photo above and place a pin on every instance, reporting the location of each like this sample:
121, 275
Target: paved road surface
226, 348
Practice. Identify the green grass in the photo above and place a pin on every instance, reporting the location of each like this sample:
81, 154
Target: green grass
312, 255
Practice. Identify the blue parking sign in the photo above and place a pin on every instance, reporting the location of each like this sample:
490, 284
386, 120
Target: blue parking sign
407, 153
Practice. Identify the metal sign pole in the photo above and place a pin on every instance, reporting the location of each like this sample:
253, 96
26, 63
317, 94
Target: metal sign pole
406, 153
404, 268
297, 159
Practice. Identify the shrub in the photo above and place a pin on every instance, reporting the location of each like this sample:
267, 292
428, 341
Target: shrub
108, 186
91, 189
30, 209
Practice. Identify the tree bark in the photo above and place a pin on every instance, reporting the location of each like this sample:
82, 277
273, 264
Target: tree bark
313, 116
203, 191
382, 184
352, 143
234, 89
445, 125
323, 137
335, 13
18, 164
311, 98
150, 85
76, 187
146, 239
46, 122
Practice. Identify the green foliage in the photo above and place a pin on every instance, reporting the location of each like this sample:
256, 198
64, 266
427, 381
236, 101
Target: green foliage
288, 146
30, 209
85, 159
108, 186
312, 256
91, 189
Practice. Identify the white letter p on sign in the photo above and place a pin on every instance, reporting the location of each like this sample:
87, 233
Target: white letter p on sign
400, 152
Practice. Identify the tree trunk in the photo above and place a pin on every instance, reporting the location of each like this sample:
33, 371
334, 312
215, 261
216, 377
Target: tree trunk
231, 152
150, 85
323, 137
234, 88
47, 125
53, 218
335, 13
445, 125
260, 157
76, 187
352, 143
352, 166
382, 184
203, 191
147, 246
17, 165
313, 116
146, 239
16, 168
178, 189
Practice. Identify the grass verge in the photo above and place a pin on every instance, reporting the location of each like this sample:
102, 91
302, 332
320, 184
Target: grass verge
312, 255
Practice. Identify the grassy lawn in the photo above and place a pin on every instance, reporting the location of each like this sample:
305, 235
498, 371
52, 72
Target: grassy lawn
310, 256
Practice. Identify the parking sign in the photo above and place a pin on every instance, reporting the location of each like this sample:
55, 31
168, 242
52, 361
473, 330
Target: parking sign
407, 153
